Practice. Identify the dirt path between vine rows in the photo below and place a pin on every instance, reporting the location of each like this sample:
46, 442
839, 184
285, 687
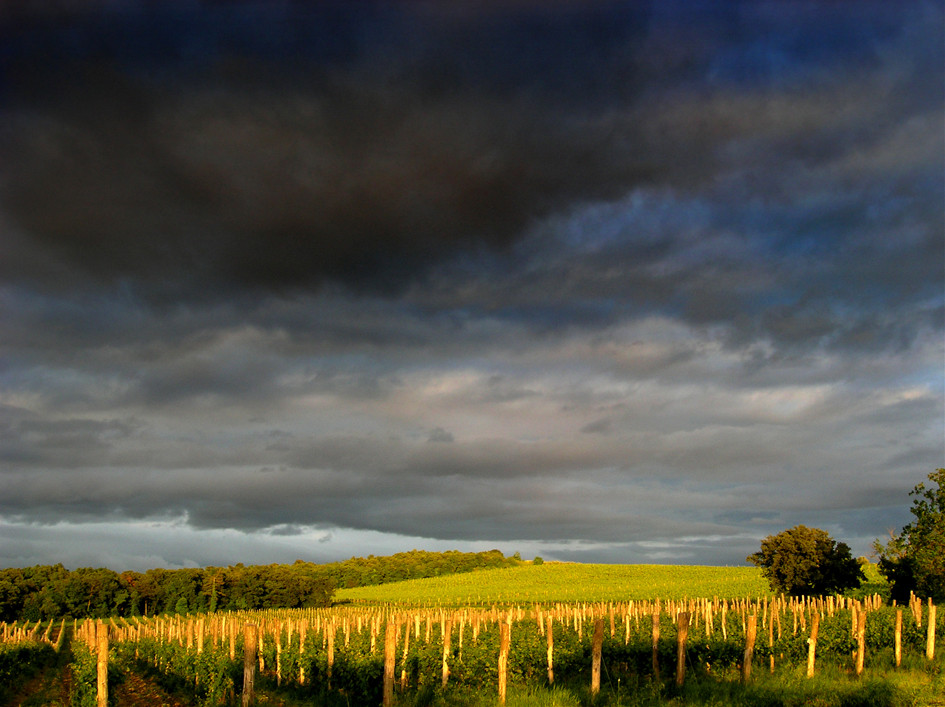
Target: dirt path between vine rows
137, 691
51, 688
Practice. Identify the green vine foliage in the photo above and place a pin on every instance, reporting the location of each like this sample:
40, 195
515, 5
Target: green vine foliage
210, 678
206, 677
19, 662
84, 676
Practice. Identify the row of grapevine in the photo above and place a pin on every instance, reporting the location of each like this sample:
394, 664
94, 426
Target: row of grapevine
25, 650
356, 650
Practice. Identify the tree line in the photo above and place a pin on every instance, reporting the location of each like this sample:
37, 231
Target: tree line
52, 591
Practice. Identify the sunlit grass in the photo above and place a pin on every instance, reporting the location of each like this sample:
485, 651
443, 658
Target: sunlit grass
568, 582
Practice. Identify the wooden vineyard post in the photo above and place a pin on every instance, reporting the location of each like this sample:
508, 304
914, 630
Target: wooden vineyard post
812, 643
279, 654
62, 637
853, 614
403, 669
447, 633
682, 635
505, 631
260, 647
750, 632
771, 634
390, 653
930, 636
860, 640
656, 645
330, 649
101, 640
596, 649
249, 664
898, 645
303, 629
549, 625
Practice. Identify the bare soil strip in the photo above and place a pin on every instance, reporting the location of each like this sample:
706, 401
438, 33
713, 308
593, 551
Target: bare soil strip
137, 691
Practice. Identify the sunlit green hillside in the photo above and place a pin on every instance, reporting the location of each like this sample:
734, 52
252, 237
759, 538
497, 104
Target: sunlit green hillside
568, 582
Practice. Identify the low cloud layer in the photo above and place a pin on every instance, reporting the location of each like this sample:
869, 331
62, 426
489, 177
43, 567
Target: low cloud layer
610, 281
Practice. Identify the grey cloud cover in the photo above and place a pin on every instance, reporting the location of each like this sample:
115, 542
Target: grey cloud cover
615, 281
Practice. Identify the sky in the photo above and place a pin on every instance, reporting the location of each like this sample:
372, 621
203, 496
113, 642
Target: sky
626, 282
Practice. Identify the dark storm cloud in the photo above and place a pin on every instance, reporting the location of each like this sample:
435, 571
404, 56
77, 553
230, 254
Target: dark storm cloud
180, 148
644, 280
360, 172
438, 434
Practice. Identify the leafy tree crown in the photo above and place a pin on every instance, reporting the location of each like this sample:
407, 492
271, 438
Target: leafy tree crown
914, 559
804, 560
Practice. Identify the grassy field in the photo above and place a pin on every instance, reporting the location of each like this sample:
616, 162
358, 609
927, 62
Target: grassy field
567, 582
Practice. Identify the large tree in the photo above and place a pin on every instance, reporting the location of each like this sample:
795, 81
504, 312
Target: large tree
914, 560
804, 560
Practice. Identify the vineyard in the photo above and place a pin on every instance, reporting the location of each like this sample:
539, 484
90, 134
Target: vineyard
597, 651
566, 582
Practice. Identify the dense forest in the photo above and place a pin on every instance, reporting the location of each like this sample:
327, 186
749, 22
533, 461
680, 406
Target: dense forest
52, 591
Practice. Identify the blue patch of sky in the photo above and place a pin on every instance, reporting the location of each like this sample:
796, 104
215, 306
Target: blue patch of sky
807, 245
644, 221
806, 232
591, 313
784, 47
